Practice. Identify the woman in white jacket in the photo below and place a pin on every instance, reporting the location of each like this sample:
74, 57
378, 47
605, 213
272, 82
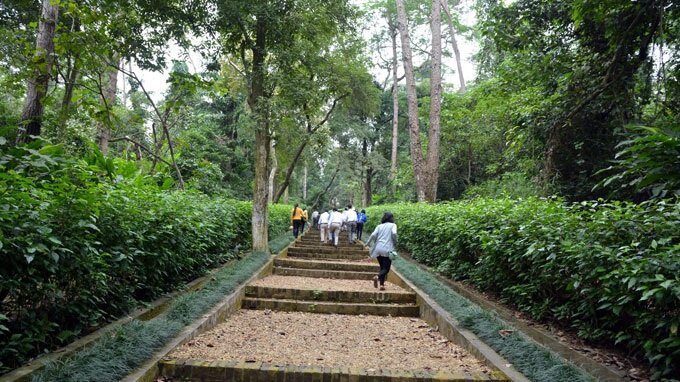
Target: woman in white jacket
383, 240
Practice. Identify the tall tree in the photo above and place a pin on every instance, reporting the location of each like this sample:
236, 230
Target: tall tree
31, 117
425, 171
412, 98
454, 46
434, 130
395, 101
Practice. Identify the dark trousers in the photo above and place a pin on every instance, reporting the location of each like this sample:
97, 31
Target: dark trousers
385, 264
360, 230
296, 227
303, 225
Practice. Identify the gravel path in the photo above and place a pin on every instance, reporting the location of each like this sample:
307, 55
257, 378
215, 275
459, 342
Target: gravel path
369, 342
296, 282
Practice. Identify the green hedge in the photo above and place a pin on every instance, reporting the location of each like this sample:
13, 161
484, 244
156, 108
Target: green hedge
81, 244
610, 271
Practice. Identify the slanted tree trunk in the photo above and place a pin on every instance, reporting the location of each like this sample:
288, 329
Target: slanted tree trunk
109, 88
395, 107
31, 116
454, 45
434, 131
414, 133
259, 105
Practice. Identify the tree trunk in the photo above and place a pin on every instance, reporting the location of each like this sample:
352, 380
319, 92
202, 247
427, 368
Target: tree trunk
291, 168
285, 196
414, 133
31, 116
172, 155
434, 131
368, 188
259, 105
304, 184
395, 108
272, 172
454, 45
109, 98
69, 85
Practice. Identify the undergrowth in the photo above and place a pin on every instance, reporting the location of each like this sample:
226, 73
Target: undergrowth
532, 360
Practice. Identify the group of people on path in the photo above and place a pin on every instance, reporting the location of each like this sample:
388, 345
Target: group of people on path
382, 241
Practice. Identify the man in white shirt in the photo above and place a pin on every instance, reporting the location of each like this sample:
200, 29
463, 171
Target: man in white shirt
335, 222
323, 226
350, 219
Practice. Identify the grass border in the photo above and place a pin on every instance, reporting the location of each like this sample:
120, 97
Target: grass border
122, 350
531, 359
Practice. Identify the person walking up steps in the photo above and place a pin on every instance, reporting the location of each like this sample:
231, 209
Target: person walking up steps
382, 241
297, 220
315, 218
350, 218
323, 226
335, 222
305, 217
361, 219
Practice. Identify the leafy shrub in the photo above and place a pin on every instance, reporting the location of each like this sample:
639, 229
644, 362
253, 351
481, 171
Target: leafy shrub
648, 161
82, 241
611, 271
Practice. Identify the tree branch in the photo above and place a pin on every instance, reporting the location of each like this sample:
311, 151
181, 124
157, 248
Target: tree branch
126, 138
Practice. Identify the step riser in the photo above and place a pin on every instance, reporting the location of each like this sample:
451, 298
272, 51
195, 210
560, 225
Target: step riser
330, 266
327, 256
330, 308
322, 245
219, 371
329, 250
323, 274
330, 296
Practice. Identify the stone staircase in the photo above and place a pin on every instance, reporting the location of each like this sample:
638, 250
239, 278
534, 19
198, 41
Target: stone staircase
312, 277
310, 258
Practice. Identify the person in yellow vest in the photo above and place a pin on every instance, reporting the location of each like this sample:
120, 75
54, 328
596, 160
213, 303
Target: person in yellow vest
296, 217
304, 219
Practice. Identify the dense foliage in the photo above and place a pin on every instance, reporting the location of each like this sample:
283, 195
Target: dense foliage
609, 271
83, 241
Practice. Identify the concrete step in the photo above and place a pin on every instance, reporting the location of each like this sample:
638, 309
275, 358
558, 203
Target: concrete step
192, 370
405, 310
326, 265
329, 250
323, 274
330, 295
322, 245
326, 256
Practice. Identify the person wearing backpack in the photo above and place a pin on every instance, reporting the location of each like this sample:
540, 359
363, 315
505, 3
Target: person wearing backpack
361, 219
